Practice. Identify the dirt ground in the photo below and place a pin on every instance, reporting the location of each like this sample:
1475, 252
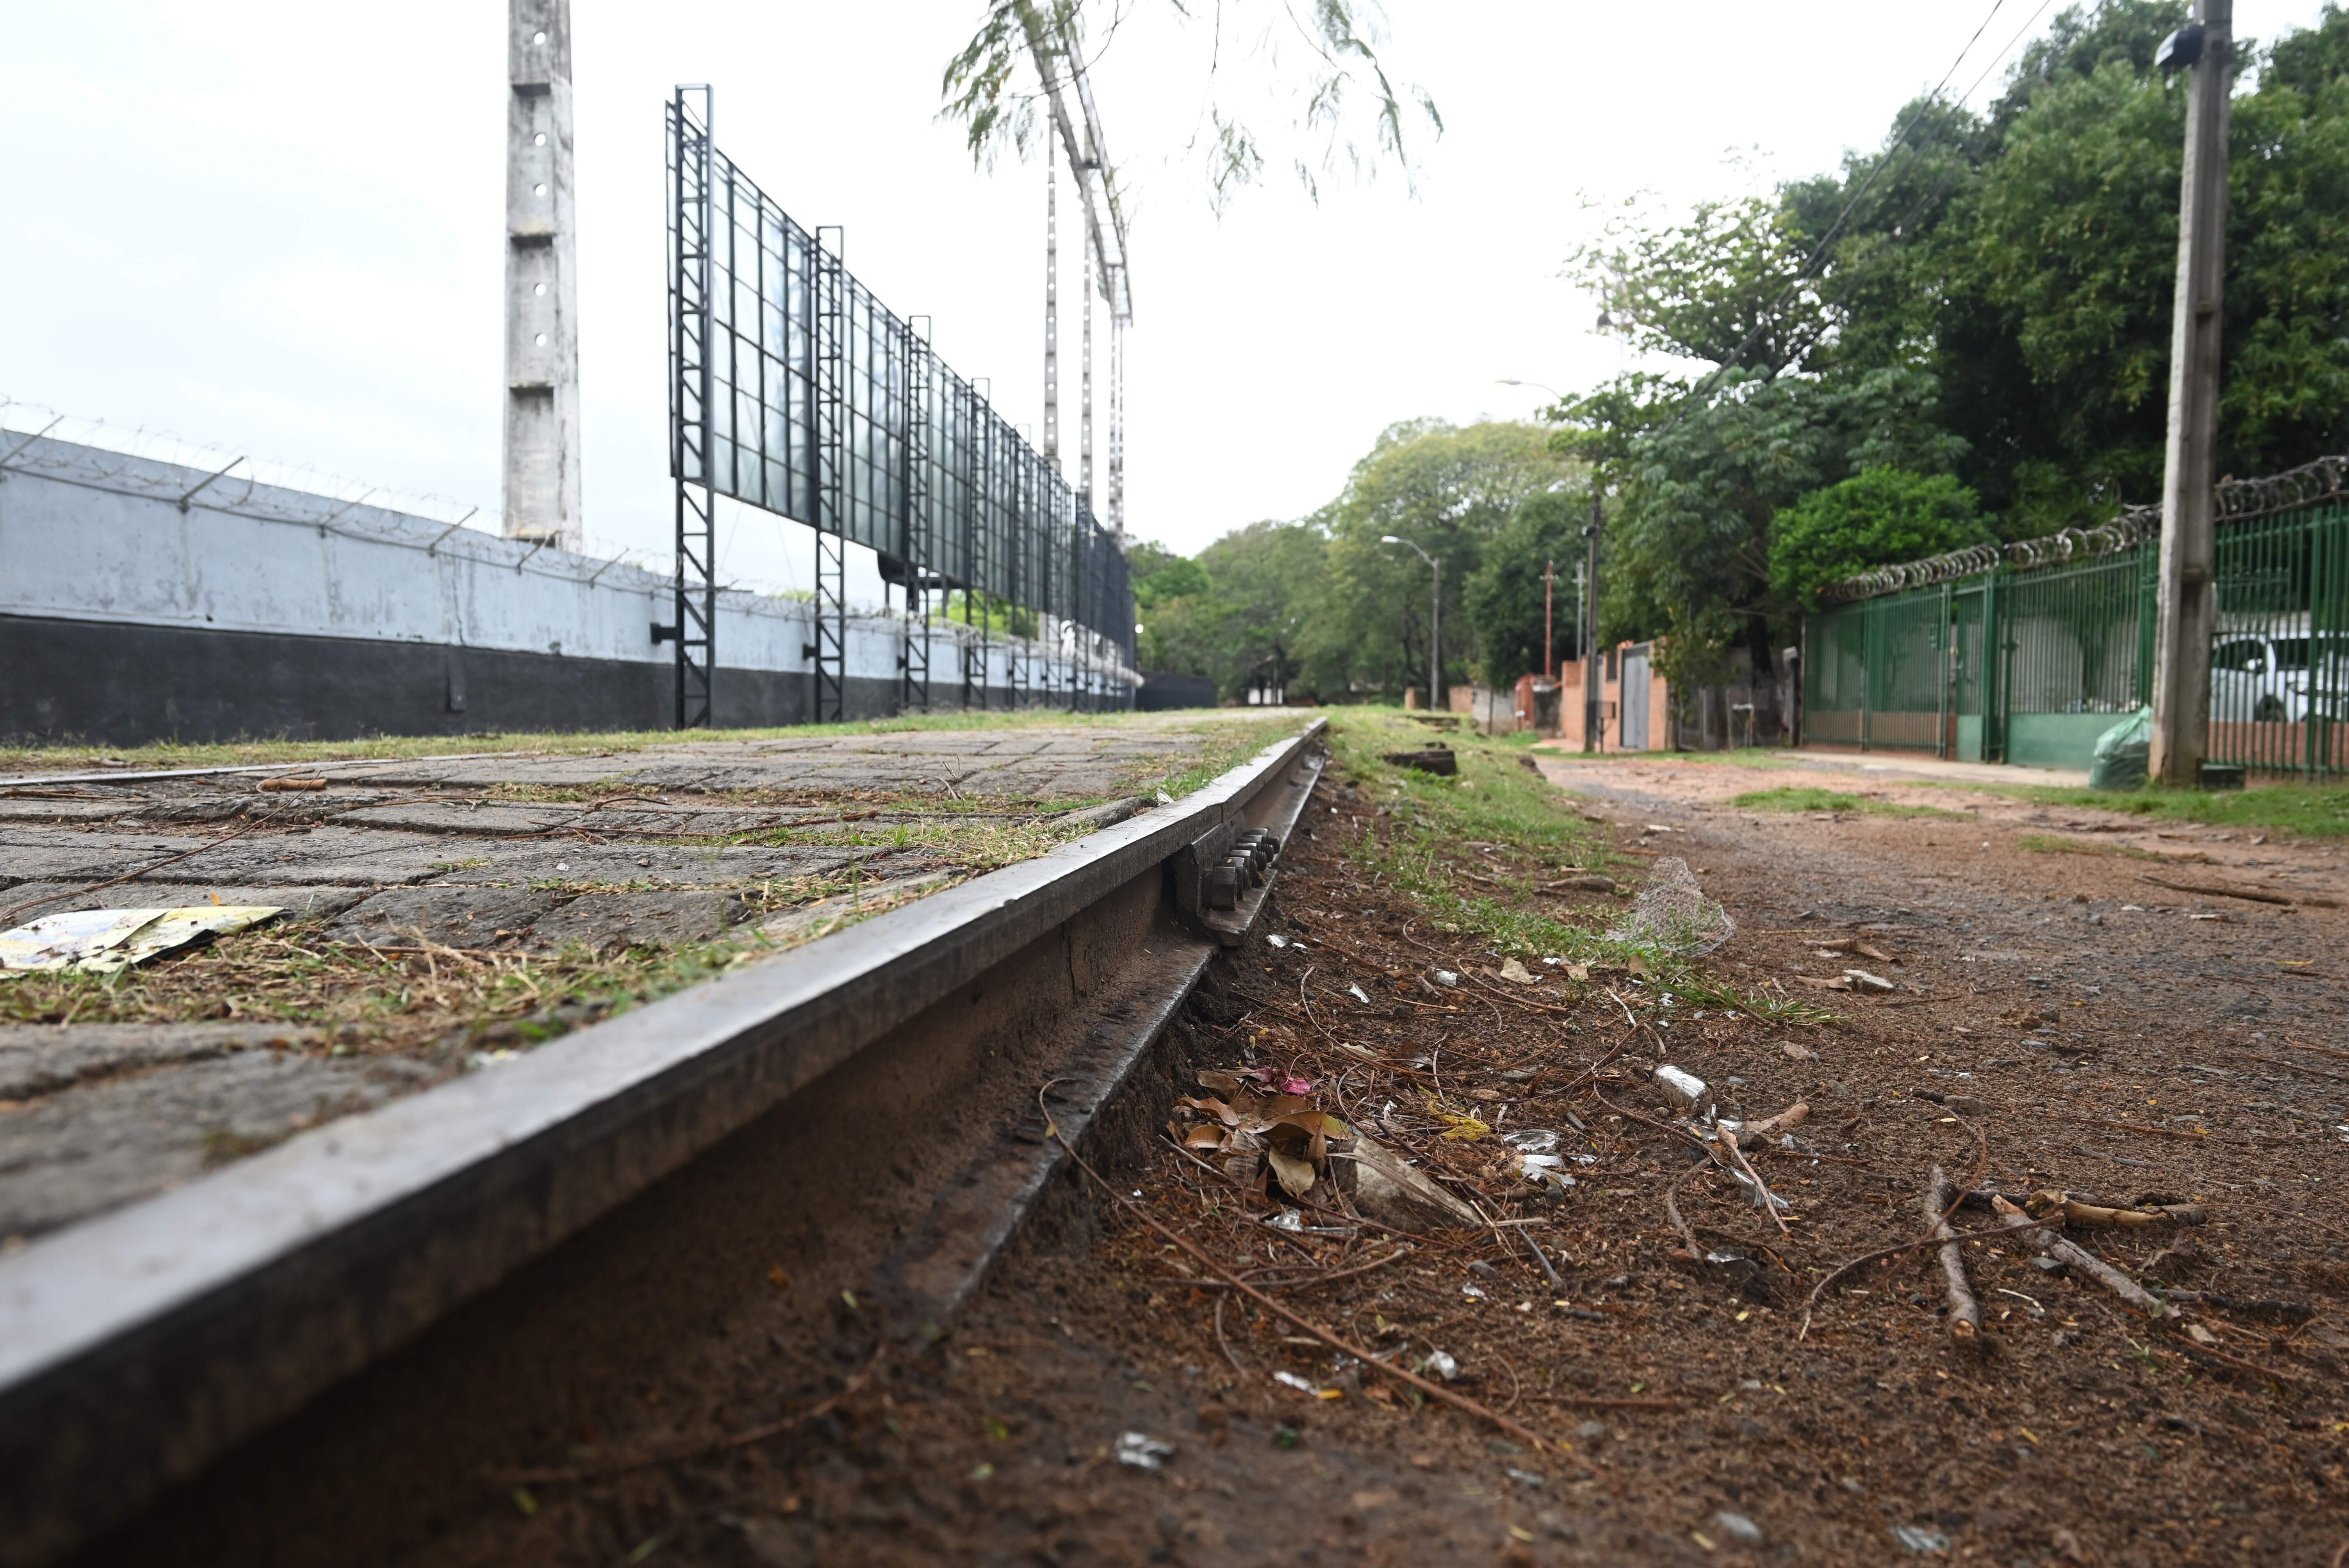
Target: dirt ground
2060, 1018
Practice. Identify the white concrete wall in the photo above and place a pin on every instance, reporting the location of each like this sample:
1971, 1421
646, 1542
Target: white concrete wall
92, 535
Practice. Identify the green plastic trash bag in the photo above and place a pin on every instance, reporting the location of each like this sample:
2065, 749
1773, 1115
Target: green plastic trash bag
2122, 753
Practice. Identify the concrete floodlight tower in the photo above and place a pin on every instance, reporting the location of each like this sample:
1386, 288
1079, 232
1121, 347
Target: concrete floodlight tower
542, 434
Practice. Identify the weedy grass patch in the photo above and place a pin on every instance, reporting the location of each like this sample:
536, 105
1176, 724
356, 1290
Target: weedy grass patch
1811, 798
2054, 844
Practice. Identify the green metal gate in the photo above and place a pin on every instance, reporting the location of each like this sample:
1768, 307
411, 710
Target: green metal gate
2026, 653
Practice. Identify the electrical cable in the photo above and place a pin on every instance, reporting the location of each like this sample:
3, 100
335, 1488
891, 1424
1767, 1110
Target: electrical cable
1902, 148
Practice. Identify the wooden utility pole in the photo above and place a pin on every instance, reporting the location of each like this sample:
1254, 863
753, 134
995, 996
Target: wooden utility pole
1590, 686
1550, 634
2188, 603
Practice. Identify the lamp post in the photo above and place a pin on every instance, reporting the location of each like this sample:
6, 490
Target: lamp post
1434, 620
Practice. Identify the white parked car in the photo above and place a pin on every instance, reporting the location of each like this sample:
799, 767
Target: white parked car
2268, 676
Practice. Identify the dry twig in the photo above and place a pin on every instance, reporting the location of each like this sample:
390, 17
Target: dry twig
1965, 1312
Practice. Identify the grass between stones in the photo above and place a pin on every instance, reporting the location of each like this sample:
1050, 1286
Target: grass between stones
1810, 798
440, 999
77, 755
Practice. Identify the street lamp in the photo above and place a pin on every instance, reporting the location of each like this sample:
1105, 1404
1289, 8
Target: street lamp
1511, 381
1434, 620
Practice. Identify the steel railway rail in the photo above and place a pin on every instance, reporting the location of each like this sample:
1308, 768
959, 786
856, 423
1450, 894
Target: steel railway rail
372, 1292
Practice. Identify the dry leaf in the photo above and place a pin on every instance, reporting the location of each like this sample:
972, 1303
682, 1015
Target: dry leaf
1295, 1175
1511, 970
1203, 1137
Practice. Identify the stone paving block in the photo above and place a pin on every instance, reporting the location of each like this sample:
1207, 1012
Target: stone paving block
650, 865
604, 922
83, 1149
61, 862
42, 1058
454, 916
298, 903
321, 855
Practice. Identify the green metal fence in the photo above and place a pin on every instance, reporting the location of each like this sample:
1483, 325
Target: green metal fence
2028, 652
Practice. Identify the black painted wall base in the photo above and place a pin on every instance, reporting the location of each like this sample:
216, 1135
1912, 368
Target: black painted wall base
108, 684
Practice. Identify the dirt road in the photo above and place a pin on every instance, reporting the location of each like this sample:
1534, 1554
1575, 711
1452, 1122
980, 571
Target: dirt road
2065, 1012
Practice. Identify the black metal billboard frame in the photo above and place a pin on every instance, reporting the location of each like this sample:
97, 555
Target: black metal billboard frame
793, 390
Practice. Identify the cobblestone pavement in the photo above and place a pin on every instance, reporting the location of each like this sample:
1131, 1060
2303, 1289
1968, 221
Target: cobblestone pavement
440, 911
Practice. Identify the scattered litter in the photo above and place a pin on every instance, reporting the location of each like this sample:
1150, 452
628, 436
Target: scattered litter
1166, 799
1673, 911
1144, 1451
275, 786
1291, 1380
1917, 1538
1872, 982
1440, 1365
1523, 1477
1737, 1527
1688, 1092
1444, 977
1358, 995
103, 941
1544, 1170
1288, 1219
1532, 1141
1516, 972
1799, 1053
1276, 940
1472, 1293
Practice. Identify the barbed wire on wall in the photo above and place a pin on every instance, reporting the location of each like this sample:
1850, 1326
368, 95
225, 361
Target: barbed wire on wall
2239, 500
39, 441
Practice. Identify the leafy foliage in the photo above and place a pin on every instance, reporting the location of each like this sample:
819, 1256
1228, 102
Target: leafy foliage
1991, 303
1348, 114
1876, 518
1505, 599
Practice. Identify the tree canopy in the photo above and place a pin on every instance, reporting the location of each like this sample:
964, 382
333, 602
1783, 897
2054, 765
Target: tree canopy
1960, 335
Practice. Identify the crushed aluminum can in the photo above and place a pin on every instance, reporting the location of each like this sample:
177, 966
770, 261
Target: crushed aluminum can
1144, 1451
1689, 1093
1532, 1141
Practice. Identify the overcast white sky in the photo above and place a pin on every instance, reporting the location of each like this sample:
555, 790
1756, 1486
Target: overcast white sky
278, 227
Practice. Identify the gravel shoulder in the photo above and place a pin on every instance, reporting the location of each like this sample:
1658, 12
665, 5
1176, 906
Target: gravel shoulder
2042, 1034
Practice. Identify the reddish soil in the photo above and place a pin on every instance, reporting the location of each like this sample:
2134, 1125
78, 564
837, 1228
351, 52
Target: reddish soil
2073, 1042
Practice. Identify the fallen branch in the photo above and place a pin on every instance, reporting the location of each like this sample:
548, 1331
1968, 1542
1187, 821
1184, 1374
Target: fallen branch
2123, 1126
1849, 1265
1344, 1346
1764, 1198
9, 914
2087, 1263
2217, 890
1965, 1312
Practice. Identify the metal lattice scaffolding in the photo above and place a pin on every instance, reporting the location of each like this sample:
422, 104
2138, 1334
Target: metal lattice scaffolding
796, 392
692, 214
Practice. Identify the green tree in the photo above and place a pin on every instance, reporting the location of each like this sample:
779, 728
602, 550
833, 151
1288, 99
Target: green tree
1448, 489
1878, 517
1505, 599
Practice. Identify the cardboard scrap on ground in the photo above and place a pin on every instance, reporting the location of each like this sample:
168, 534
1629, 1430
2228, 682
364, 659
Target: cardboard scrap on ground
105, 941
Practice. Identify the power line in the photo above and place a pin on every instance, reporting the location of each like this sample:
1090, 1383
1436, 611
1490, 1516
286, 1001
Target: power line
1902, 147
